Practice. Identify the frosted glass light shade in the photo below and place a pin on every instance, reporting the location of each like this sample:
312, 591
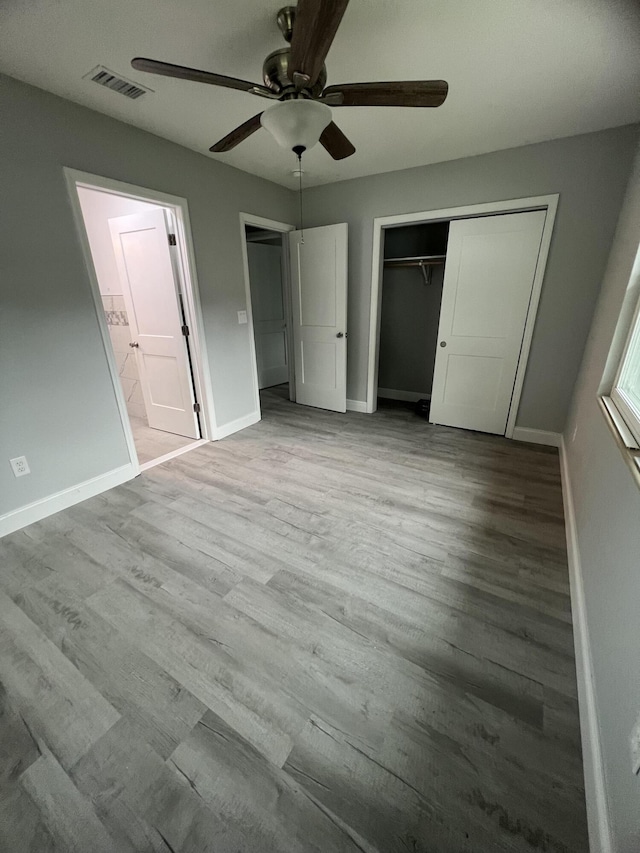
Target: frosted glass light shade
296, 123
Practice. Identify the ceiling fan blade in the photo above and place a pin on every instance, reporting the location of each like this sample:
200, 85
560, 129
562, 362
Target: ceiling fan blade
336, 143
237, 136
166, 69
401, 93
314, 28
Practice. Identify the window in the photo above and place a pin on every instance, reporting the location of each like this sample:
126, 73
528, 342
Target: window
626, 387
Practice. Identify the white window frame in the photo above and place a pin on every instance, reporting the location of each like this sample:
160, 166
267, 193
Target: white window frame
625, 406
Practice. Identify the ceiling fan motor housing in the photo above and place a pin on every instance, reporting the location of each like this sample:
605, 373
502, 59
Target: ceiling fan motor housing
276, 75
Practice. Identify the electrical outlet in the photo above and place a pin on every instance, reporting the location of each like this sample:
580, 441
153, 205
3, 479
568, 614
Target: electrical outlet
20, 466
635, 748
242, 318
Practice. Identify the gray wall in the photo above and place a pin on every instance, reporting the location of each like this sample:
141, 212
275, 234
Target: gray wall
57, 403
607, 506
409, 329
589, 172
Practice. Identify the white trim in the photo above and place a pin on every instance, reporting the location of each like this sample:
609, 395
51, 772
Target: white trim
617, 417
282, 228
173, 453
237, 425
550, 202
193, 308
537, 436
356, 406
407, 396
44, 507
594, 778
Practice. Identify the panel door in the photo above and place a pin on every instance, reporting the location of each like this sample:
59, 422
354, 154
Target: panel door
319, 301
150, 292
269, 322
490, 268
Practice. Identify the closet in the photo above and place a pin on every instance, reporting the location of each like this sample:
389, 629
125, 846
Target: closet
455, 300
412, 280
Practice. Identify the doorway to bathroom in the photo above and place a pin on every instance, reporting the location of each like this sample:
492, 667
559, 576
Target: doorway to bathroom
146, 313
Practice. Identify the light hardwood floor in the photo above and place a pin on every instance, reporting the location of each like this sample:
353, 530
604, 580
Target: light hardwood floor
153, 443
325, 633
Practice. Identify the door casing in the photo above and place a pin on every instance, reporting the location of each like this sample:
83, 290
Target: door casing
193, 310
546, 202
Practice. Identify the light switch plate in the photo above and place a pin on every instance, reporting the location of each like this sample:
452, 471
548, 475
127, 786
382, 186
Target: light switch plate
242, 318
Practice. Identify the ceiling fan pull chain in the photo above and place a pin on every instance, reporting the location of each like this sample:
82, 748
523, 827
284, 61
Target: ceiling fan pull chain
299, 154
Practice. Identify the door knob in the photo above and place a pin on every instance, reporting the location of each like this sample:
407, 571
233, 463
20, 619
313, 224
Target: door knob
134, 344
340, 335
443, 343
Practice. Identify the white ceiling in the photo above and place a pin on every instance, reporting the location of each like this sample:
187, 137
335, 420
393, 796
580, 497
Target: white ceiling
519, 71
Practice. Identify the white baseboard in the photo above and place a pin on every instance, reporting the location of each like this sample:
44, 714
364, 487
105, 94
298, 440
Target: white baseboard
38, 510
537, 436
237, 425
407, 396
356, 406
600, 840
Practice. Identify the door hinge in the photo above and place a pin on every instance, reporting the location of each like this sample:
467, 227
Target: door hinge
185, 331
196, 407
172, 239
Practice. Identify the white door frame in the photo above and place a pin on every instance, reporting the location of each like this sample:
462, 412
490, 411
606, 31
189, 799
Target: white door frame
192, 306
518, 205
282, 228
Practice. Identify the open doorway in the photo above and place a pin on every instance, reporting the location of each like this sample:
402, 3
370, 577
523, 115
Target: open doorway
145, 304
265, 251
299, 313
270, 307
412, 279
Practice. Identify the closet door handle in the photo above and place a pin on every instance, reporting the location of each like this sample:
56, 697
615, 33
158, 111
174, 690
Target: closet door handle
340, 335
134, 344
443, 343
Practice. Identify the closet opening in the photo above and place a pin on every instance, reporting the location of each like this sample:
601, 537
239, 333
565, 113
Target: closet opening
412, 279
454, 298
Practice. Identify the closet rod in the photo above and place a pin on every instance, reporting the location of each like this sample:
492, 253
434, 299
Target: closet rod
423, 262
416, 260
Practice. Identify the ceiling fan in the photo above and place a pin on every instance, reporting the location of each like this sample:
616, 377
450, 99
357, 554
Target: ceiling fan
296, 75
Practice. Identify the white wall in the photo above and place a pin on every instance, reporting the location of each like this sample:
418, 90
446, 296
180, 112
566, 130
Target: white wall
607, 508
590, 173
57, 404
97, 209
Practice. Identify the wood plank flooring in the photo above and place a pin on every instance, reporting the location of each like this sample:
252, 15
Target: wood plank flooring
152, 443
324, 633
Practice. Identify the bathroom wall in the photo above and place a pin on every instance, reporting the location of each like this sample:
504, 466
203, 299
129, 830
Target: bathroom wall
118, 325
98, 208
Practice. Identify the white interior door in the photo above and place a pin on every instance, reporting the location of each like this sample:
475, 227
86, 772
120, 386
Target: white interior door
489, 272
150, 291
267, 306
319, 302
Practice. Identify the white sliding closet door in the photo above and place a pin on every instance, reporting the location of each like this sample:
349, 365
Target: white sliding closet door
490, 268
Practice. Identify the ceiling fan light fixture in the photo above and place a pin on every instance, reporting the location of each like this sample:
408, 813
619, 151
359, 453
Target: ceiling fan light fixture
296, 124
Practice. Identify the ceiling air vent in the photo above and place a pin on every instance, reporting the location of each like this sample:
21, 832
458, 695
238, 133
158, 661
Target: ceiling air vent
115, 82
